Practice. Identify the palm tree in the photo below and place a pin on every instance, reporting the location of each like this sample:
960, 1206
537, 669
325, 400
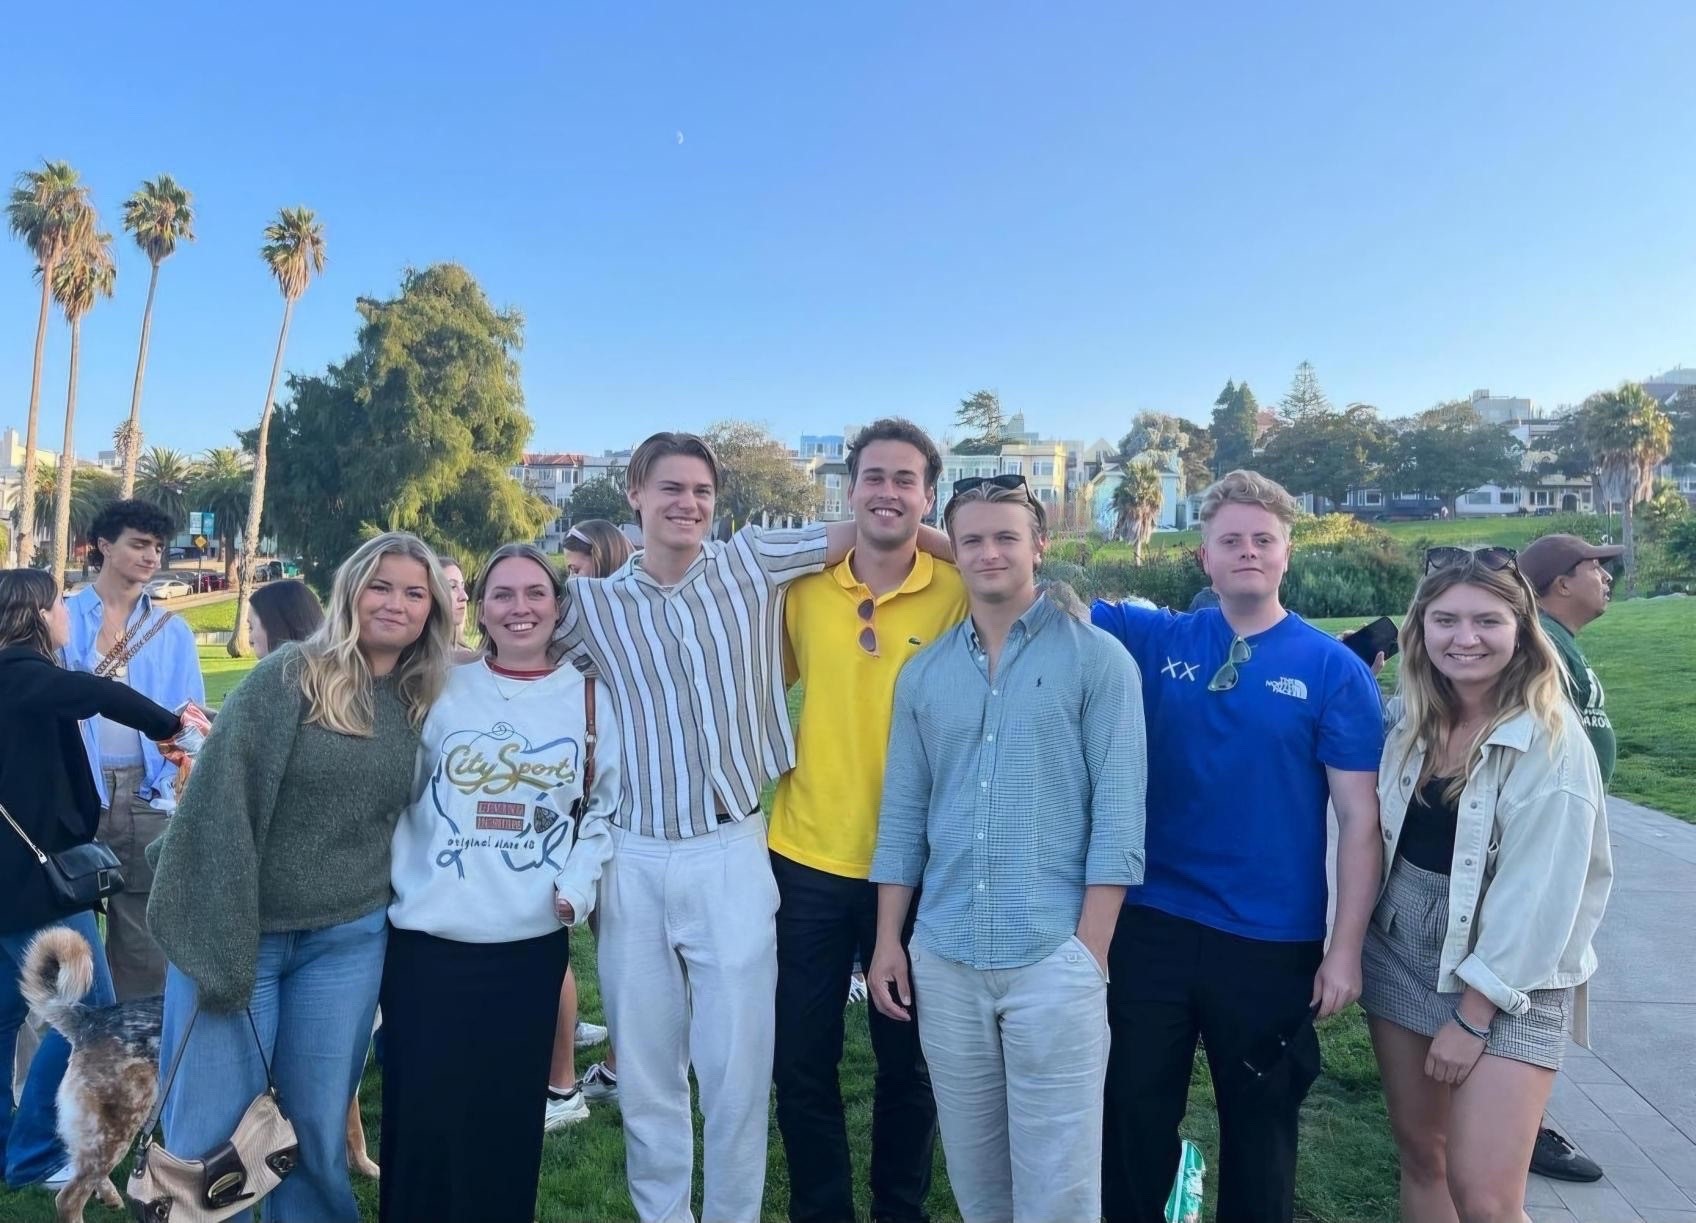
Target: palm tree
92, 489
49, 209
158, 215
1630, 436
294, 251
1137, 503
87, 272
164, 477
126, 440
222, 485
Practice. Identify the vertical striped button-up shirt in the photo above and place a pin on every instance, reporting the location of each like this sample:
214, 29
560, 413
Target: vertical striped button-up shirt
1007, 794
697, 669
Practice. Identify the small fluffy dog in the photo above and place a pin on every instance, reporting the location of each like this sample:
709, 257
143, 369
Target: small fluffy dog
113, 1076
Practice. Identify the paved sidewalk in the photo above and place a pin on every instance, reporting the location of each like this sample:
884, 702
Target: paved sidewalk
1630, 1100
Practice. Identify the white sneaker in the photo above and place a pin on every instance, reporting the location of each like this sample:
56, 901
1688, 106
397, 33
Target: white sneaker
588, 1035
56, 1179
599, 1084
565, 1110
856, 989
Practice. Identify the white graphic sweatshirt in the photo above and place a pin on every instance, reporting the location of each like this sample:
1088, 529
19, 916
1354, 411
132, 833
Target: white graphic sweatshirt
495, 828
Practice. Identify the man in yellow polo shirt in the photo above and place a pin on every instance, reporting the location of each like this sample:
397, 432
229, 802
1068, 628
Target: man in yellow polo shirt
851, 630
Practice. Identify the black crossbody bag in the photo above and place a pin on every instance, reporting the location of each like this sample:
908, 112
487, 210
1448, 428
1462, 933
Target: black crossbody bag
80, 877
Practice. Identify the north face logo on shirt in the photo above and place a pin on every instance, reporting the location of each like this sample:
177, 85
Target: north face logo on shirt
1288, 687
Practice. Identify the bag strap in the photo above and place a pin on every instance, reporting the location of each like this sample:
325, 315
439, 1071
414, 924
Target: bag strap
588, 737
123, 650
36, 849
150, 1127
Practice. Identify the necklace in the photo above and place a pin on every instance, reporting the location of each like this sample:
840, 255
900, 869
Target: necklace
521, 679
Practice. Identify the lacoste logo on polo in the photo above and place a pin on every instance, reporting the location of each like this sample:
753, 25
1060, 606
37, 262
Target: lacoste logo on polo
1288, 687
1179, 669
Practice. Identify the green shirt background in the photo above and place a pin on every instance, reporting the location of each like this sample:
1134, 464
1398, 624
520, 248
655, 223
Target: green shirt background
1586, 693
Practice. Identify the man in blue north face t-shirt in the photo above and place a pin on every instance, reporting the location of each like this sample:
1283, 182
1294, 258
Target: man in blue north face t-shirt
1255, 721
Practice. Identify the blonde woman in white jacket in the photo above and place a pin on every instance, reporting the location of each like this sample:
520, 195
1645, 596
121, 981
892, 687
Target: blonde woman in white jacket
1496, 873
498, 856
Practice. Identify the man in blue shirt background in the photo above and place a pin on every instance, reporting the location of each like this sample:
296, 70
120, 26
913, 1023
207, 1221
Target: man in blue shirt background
1256, 720
117, 632
1014, 790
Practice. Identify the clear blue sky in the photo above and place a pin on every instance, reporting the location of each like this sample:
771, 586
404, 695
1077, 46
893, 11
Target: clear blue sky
880, 207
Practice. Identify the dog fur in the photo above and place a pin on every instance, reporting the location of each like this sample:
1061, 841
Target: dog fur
113, 1077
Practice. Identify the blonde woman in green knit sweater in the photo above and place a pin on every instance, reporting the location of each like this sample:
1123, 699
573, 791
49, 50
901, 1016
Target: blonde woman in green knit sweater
273, 877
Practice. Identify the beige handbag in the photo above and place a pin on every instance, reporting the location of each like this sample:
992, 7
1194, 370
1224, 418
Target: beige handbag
164, 1188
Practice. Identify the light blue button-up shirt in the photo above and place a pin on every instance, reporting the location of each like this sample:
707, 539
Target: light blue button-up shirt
166, 671
1007, 794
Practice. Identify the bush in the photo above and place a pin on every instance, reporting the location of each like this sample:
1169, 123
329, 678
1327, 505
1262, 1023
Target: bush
1681, 545
1334, 530
1167, 579
1351, 580
1072, 551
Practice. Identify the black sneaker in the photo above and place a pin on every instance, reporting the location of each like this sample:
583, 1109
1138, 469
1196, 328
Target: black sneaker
1558, 1159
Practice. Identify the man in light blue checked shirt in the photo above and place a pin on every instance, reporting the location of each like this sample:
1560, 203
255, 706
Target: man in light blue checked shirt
1014, 793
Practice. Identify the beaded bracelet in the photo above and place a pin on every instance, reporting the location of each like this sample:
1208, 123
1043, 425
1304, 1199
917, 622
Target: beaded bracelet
1482, 1034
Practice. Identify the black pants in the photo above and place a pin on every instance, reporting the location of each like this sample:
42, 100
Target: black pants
1173, 980
824, 922
469, 1032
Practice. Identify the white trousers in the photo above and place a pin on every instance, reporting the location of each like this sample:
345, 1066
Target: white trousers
688, 965
1018, 1063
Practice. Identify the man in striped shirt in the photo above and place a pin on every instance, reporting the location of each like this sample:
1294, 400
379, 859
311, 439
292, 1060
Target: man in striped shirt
688, 636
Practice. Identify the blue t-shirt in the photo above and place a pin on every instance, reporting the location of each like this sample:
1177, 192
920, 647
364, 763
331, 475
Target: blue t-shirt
1237, 791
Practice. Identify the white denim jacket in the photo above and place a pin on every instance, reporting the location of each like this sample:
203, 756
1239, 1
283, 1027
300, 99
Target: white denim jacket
1532, 868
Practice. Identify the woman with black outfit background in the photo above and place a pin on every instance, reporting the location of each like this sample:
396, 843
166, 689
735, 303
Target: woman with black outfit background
47, 789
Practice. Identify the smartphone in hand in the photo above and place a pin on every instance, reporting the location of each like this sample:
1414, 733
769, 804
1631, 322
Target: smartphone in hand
1370, 640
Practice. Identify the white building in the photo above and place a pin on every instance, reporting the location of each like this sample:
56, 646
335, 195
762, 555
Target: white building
1503, 409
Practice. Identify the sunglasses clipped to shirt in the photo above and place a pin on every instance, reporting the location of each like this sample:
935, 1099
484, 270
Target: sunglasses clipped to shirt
1493, 559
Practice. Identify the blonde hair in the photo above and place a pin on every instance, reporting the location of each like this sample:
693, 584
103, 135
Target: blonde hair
335, 676
1243, 487
506, 552
994, 494
1532, 680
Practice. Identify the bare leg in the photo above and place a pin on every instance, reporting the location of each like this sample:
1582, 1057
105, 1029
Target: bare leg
611, 1060
1493, 1120
1419, 1119
358, 1157
562, 1071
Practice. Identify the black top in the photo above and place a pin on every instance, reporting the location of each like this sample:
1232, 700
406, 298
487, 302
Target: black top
1428, 832
45, 780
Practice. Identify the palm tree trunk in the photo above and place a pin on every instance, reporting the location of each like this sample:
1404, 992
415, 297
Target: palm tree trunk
26, 504
1628, 537
67, 464
240, 645
132, 452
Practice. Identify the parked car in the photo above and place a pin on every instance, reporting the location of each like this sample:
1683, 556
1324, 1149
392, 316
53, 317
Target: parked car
168, 588
207, 582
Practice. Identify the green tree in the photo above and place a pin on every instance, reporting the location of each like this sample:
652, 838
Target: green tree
1664, 510
1173, 437
758, 475
49, 210
85, 274
157, 216
1324, 452
1631, 436
415, 431
1136, 502
1304, 398
1197, 456
601, 497
92, 490
222, 486
1235, 428
1446, 451
979, 414
165, 477
294, 254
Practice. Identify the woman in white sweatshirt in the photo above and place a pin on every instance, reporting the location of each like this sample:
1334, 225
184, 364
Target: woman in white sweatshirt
497, 857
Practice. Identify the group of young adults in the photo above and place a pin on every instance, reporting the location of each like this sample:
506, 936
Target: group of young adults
1064, 844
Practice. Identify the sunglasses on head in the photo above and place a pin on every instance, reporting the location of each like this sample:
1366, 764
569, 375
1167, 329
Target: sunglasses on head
1008, 481
1493, 559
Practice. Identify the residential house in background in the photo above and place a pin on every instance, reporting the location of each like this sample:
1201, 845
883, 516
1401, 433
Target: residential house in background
553, 476
1097, 494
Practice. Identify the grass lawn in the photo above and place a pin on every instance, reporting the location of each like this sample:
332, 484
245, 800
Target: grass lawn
1641, 650
218, 617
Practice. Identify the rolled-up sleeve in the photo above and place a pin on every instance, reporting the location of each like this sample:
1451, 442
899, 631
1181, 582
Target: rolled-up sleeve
902, 845
784, 555
1548, 862
1116, 754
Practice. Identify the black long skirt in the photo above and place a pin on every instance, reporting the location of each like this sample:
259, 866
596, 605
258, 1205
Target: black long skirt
468, 1031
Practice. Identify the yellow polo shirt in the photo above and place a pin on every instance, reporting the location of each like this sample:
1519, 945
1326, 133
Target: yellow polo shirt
825, 812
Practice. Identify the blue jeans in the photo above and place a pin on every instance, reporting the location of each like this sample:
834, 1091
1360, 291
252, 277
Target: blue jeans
313, 1002
29, 1138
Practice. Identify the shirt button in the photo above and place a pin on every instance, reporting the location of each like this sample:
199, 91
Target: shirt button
1462, 920
980, 836
983, 785
980, 888
1475, 804
989, 738
1469, 861
1386, 834
995, 692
